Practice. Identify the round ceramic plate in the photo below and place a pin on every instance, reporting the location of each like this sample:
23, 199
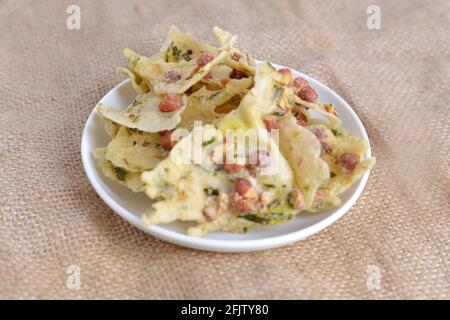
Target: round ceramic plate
130, 205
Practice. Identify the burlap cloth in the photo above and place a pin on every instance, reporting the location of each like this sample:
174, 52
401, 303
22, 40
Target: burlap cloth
396, 78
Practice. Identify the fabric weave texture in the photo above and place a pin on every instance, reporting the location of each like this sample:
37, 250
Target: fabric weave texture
396, 78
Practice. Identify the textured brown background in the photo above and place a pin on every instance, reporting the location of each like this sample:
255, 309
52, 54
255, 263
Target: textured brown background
396, 78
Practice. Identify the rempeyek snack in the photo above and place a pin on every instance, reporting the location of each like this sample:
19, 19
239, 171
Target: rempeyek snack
265, 155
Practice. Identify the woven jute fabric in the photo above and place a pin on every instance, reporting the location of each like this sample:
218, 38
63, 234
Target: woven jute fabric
394, 243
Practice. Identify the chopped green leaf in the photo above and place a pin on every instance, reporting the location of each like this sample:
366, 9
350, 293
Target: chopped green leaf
211, 191
274, 218
270, 65
215, 94
120, 173
332, 174
279, 113
336, 132
186, 56
277, 91
254, 218
274, 204
208, 142
290, 198
271, 218
176, 52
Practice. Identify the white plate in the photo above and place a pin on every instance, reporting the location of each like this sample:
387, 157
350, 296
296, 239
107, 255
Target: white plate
130, 205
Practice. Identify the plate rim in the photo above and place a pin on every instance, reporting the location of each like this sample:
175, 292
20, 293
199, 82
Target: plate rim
218, 245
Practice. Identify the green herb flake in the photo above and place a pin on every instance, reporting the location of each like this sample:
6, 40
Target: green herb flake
278, 217
336, 132
332, 174
254, 218
269, 185
279, 113
186, 56
290, 198
274, 204
271, 218
215, 94
208, 142
277, 91
211, 191
120, 173
176, 52
270, 65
